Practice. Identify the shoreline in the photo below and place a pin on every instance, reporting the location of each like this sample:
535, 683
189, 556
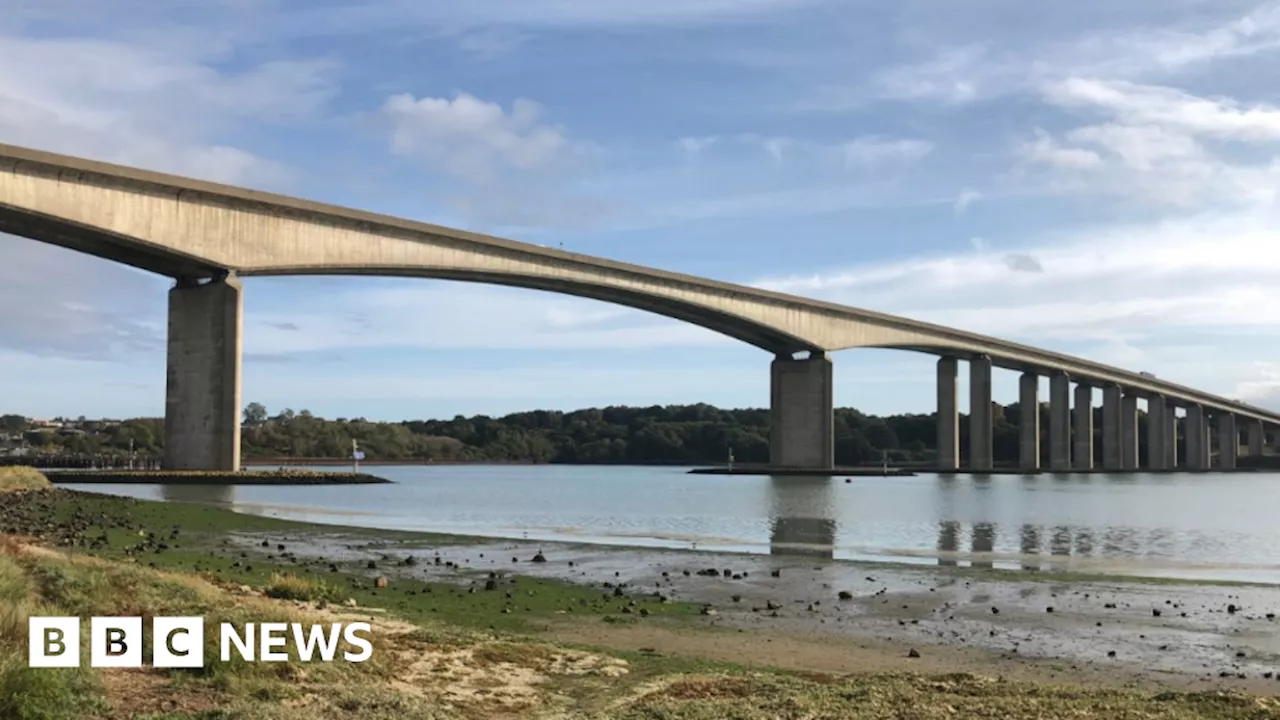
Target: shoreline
765, 611
205, 477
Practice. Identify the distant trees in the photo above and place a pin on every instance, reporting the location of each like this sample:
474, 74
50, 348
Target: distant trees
671, 434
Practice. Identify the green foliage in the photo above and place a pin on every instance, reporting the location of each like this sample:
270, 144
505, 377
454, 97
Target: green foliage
672, 435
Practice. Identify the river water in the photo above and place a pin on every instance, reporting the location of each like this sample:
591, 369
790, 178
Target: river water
1207, 526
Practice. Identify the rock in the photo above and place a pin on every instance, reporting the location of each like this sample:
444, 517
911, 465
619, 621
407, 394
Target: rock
708, 610
539, 558
371, 565
490, 584
1155, 612
913, 653
995, 611
351, 602
737, 598
1231, 609
775, 573
845, 595
1049, 609
380, 582
1111, 653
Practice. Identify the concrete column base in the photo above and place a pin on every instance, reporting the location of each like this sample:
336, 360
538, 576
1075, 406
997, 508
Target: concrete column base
1196, 437
948, 415
1111, 428
1059, 423
1157, 417
1256, 436
1228, 441
1029, 422
801, 433
1082, 435
981, 449
202, 387
1129, 432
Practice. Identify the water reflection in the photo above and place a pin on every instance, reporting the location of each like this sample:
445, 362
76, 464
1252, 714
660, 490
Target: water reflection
982, 544
207, 494
801, 516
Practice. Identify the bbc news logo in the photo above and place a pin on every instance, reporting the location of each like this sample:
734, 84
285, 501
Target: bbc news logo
178, 642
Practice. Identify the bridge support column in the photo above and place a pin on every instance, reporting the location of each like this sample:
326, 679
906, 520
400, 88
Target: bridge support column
1059, 422
1228, 441
1195, 430
1171, 436
1129, 432
202, 385
948, 415
981, 454
1082, 439
801, 405
1157, 435
1111, 428
1256, 438
1029, 422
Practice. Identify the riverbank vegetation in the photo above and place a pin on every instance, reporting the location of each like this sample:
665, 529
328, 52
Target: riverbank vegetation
442, 650
674, 434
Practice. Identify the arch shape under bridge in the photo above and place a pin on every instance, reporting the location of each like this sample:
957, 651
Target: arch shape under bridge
191, 230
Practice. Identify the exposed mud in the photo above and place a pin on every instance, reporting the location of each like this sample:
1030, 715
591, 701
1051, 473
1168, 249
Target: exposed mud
1219, 635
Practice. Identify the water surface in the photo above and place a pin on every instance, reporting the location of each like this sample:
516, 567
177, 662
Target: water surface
1213, 526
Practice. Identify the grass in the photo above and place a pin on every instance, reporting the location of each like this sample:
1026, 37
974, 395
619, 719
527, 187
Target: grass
21, 478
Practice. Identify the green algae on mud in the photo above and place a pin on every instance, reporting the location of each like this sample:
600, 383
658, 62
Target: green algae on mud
230, 547
284, 476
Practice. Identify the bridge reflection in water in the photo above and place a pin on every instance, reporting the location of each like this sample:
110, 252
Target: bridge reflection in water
803, 522
204, 494
802, 511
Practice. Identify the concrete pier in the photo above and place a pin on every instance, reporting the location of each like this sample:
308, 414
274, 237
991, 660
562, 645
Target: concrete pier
1157, 435
1082, 434
1059, 422
1129, 432
1228, 441
1111, 397
948, 415
1171, 427
202, 383
981, 451
801, 405
1029, 422
1196, 437
1256, 437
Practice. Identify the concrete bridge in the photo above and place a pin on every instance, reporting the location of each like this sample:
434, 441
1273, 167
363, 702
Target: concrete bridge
204, 235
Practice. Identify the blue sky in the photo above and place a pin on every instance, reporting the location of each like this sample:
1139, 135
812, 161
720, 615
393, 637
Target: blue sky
1095, 177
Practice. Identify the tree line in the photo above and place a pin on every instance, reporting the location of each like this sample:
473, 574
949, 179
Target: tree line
672, 434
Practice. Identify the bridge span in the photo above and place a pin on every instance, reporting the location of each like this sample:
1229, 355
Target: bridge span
205, 235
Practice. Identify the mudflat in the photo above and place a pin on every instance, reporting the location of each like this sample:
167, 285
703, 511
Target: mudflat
477, 627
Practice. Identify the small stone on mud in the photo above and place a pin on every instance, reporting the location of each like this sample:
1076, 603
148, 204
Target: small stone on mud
913, 653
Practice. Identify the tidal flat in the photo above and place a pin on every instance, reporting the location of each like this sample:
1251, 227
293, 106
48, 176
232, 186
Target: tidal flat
591, 631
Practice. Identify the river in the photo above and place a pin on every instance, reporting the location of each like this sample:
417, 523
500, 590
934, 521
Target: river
1205, 526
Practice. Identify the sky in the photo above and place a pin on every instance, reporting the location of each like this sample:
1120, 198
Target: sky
1097, 178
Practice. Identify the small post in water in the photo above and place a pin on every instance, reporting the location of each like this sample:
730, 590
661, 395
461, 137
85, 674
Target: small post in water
730, 460
356, 456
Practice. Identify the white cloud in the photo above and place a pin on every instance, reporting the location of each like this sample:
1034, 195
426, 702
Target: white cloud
863, 152
473, 139
516, 170
1161, 145
1164, 107
156, 109
966, 72
964, 199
